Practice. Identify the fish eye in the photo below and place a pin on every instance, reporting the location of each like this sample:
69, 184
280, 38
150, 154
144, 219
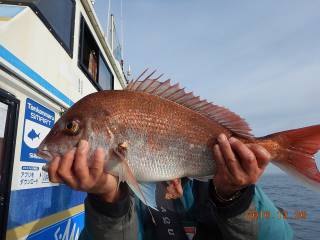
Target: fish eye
72, 127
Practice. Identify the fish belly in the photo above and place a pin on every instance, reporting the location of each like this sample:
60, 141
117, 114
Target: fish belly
167, 159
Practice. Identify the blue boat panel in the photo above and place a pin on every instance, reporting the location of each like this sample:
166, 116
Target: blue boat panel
69, 228
28, 205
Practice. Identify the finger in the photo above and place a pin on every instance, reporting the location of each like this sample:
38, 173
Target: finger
169, 191
168, 196
229, 157
220, 163
98, 164
52, 171
80, 165
262, 155
177, 186
65, 169
174, 191
171, 188
222, 173
246, 157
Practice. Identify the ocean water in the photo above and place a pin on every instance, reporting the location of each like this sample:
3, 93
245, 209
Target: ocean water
301, 204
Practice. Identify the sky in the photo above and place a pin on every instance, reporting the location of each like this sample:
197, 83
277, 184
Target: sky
260, 59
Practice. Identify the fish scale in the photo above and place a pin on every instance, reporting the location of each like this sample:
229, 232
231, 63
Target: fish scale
170, 163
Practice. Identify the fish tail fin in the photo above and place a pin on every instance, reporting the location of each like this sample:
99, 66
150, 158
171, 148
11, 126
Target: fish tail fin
296, 154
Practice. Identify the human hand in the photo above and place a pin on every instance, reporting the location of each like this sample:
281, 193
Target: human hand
238, 165
174, 189
72, 169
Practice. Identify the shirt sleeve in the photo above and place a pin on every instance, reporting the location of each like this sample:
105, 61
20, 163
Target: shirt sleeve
247, 216
109, 221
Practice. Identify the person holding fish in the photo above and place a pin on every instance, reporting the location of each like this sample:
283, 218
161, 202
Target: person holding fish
190, 163
234, 199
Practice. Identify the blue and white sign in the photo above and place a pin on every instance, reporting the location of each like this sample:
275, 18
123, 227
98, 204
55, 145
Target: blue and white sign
68, 229
38, 121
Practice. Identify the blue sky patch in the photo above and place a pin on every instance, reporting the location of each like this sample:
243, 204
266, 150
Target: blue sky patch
9, 11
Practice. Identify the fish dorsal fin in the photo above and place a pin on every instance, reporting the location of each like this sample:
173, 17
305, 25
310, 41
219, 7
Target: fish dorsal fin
176, 94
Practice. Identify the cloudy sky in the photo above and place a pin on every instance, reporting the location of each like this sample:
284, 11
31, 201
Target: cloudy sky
260, 59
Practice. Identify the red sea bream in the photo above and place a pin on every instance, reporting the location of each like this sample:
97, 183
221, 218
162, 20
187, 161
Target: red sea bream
153, 131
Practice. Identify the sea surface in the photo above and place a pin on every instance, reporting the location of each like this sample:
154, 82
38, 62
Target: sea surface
301, 204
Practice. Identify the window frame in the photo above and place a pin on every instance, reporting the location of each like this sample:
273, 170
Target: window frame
10, 136
48, 25
107, 65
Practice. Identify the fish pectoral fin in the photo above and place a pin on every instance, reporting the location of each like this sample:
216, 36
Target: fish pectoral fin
127, 175
157, 196
121, 152
146, 193
153, 194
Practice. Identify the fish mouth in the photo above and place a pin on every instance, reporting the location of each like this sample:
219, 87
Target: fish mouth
44, 153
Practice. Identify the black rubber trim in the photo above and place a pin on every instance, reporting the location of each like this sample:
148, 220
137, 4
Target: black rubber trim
10, 135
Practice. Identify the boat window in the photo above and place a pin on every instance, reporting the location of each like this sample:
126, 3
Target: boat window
60, 16
105, 75
91, 60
